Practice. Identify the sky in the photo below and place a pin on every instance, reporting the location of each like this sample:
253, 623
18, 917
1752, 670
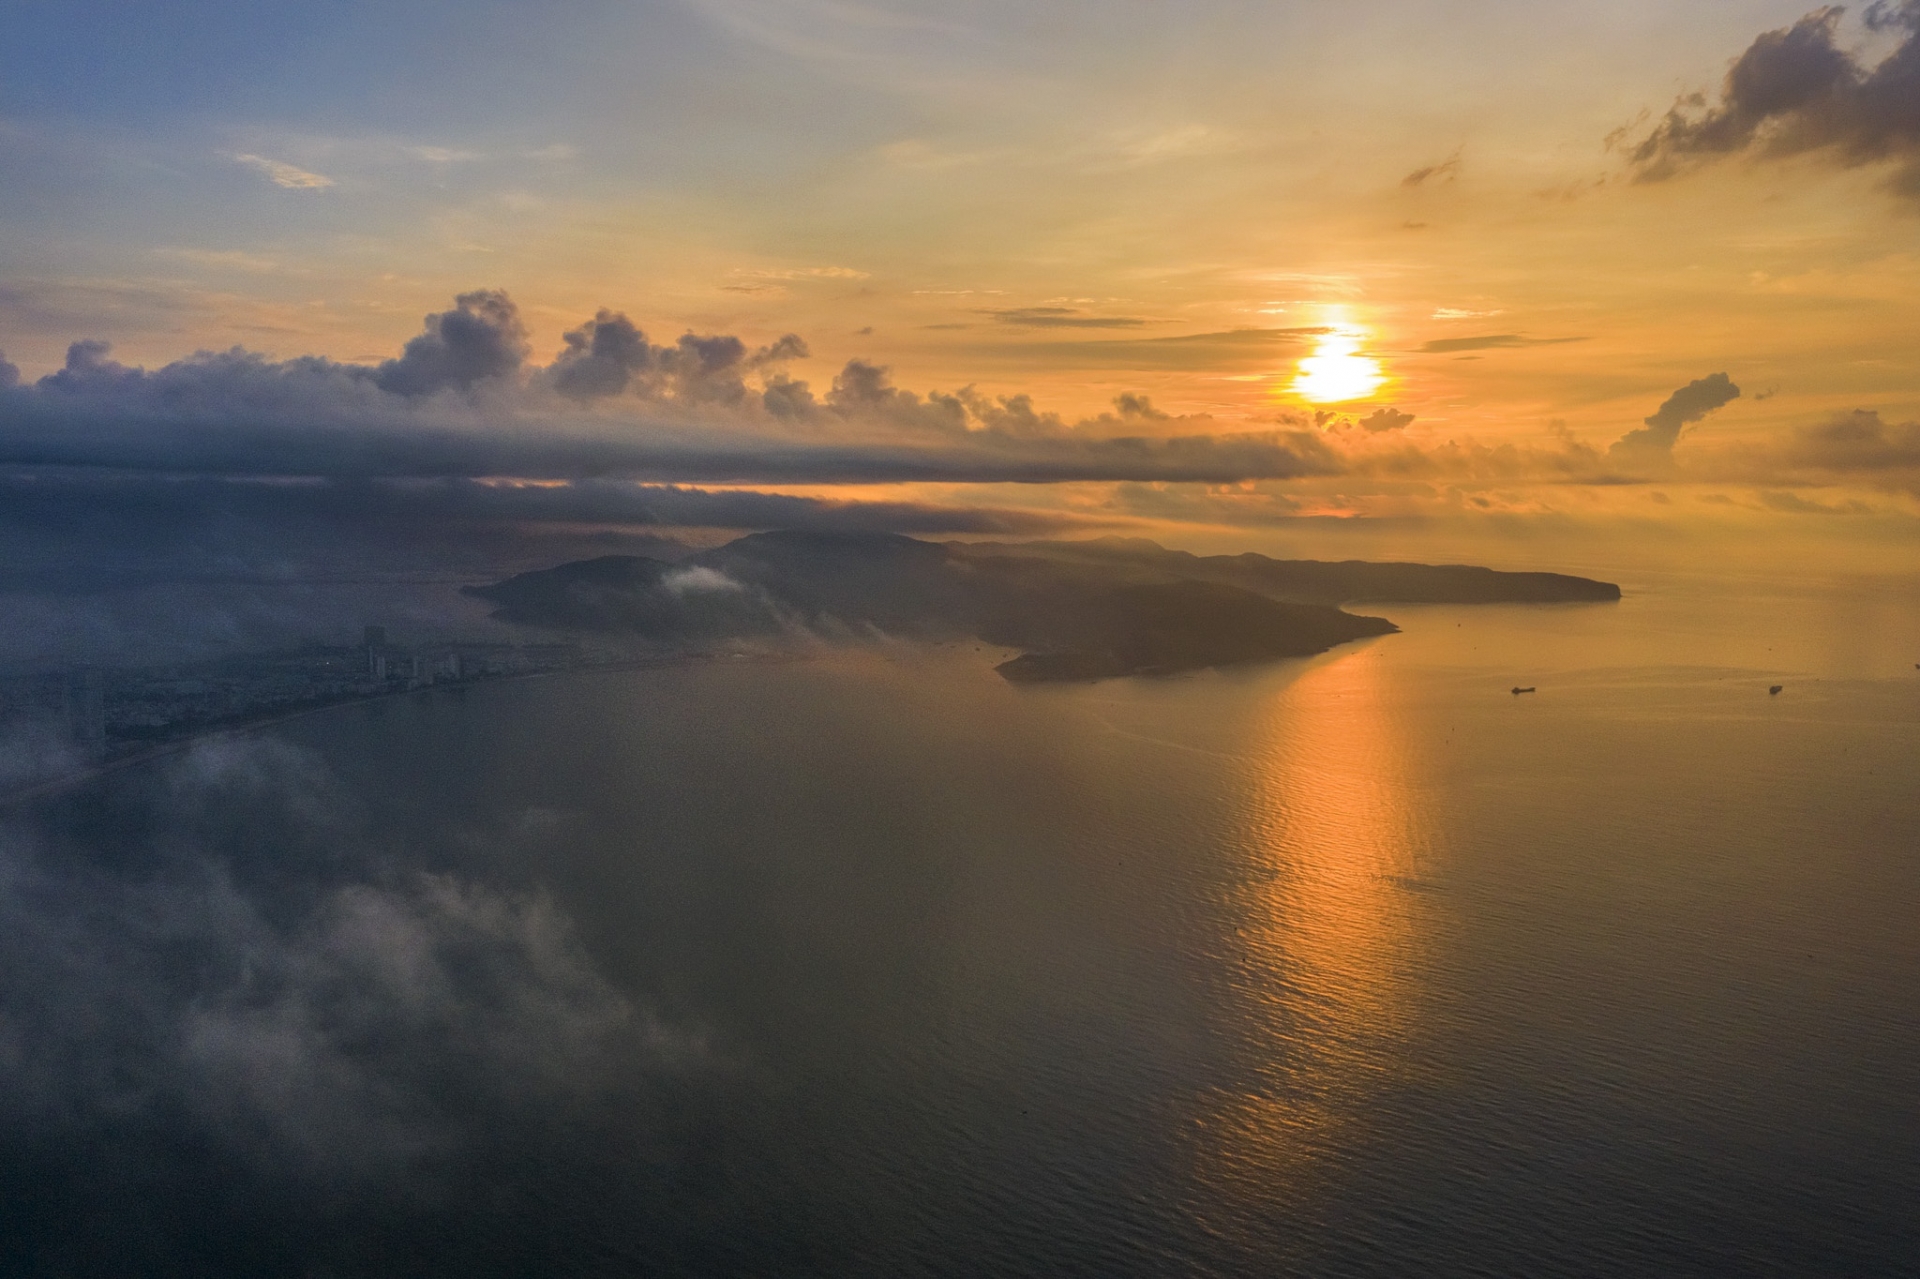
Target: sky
1215, 272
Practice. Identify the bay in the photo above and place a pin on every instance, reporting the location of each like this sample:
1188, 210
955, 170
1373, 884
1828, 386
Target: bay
873, 963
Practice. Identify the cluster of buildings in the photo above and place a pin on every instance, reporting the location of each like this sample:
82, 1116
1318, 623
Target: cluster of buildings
56, 723
398, 666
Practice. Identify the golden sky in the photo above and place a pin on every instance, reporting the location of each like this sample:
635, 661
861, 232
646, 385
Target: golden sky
1464, 248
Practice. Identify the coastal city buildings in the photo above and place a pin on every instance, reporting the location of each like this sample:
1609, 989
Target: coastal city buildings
62, 722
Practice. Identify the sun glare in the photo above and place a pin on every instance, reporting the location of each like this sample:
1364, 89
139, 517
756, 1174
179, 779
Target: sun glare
1337, 372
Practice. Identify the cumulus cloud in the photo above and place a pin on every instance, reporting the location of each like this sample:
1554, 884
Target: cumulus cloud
459, 402
601, 357
1130, 405
609, 354
9, 373
1685, 406
482, 337
1796, 91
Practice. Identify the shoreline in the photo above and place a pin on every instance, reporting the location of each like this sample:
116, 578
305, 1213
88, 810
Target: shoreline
70, 781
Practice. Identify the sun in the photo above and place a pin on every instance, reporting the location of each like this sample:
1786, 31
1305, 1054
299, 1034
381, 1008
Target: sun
1337, 372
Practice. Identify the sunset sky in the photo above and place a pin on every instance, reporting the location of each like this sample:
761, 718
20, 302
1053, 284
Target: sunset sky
1246, 262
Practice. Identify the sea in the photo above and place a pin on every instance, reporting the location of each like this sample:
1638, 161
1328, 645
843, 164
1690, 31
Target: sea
869, 963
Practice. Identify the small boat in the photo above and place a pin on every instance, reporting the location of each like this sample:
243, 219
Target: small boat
1775, 689
1517, 690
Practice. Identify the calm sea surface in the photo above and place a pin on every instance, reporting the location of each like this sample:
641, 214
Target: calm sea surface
878, 965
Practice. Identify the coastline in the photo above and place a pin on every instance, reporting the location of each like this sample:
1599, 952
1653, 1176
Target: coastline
70, 781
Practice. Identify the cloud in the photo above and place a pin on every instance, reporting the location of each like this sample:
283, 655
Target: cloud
1490, 342
601, 357
1793, 504
1795, 91
609, 354
700, 580
1062, 317
1689, 404
9, 373
482, 337
1858, 442
222, 259
444, 155
285, 175
1233, 348
805, 273
1447, 170
1385, 419
284, 997
460, 402
1130, 405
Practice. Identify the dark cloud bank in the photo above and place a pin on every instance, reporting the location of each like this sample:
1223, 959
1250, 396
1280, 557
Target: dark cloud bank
462, 401
1797, 91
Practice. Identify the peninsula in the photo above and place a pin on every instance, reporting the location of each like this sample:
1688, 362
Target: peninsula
1077, 610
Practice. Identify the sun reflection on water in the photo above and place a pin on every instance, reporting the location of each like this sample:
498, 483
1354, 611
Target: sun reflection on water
1325, 938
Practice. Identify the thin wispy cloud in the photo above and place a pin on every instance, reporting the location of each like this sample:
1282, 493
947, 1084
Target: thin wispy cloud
445, 155
1490, 342
1062, 317
1446, 170
291, 177
803, 273
222, 259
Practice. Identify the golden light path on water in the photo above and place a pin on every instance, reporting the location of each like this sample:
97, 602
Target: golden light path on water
1338, 372
1333, 835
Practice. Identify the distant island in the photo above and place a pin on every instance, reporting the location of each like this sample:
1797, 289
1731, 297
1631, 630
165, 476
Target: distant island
1078, 610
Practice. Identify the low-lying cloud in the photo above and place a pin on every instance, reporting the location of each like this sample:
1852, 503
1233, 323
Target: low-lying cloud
1854, 443
462, 401
299, 1009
